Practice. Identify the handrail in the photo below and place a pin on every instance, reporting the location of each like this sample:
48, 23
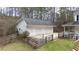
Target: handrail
43, 34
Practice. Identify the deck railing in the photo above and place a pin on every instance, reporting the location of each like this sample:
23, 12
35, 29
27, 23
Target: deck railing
66, 34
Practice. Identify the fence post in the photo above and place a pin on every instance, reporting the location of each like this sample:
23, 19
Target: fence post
43, 36
46, 40
52, 36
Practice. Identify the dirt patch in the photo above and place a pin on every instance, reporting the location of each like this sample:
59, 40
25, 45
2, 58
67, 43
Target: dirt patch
7, 39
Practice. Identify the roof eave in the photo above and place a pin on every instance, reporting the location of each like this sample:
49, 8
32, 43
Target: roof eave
69, 25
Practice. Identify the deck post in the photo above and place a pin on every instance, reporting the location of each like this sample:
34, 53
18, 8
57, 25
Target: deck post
64, 30
43, 36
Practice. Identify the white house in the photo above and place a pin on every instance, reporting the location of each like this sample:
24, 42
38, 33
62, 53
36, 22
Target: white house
36, 27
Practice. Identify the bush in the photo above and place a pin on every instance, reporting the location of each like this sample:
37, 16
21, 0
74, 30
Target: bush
25, 34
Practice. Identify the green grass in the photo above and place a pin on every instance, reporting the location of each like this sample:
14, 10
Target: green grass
58, 45
17, 46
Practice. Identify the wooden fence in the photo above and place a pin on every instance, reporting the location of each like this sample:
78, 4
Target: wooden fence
37, 42
60, 34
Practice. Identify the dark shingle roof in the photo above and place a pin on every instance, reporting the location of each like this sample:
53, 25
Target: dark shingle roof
76, 11
37, 22
76, 23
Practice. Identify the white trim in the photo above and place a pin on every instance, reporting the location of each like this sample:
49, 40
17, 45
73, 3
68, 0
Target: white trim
69, 25
75, 17
41, 25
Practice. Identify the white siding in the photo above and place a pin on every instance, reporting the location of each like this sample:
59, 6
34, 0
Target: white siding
21, 27
55, 35
75, 17
34, 31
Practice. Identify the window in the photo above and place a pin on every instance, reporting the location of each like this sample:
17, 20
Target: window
77, 17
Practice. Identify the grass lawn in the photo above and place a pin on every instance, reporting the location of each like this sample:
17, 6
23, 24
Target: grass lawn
58, 45
17, 46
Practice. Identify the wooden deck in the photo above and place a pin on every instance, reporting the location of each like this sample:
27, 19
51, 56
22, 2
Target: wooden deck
74, 35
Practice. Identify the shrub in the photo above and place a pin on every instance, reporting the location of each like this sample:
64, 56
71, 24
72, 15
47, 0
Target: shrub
25, 34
